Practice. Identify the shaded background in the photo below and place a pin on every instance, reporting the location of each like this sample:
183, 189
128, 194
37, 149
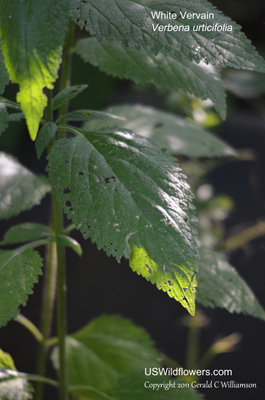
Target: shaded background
98, 284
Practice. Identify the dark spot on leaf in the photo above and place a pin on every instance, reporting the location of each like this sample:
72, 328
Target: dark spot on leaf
66, 161
158, 125
66, 191
88, 227
81, 173
170, 283
68, 203
145, 210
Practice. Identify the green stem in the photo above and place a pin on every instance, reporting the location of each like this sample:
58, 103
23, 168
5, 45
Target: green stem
65, 76
236, 241
47, 312
193, 344
21, 319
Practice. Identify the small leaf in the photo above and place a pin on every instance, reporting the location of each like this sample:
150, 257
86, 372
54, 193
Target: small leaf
104, 349
9, 103
176, 134
4, 77
160, 70
133, 23
6, 361
129, 196
26, 233
15, 117
66, 95
20, 189
86, 115
64, 240
19, 270
46, 134
219, 285
38, 28
3, 119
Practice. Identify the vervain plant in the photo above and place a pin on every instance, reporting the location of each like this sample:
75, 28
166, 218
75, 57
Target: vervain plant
118, 187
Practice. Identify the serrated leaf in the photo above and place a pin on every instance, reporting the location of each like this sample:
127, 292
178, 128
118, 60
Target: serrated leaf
4, 77
26, 233
160, 70
176, 134
3, 119
46, 134
20, 189
38, 28
128, 195
19, 270
104, 349
220, 285
66, 95
15, 117
64, 240
133, 23
87, 115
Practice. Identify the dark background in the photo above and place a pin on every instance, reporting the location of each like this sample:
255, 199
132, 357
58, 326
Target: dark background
97, 284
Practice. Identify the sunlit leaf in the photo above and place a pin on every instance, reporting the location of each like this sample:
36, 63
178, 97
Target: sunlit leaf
133, 23
32, 34
128, 196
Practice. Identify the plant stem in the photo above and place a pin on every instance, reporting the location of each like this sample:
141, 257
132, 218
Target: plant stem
21, 319
49, 287
236, 241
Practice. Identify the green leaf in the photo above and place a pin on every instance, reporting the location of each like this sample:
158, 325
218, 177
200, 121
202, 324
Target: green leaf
19, 270
86, 115
4, 77
9, 103
20, 189
26, 233
15, 117
245, 84
160, 70
176, 134
66, 95
12, 387
136, 386
109, 346
132, 23
220, 285
6, 361
37, 28
64, 240
46, 134
128, 196
3, 119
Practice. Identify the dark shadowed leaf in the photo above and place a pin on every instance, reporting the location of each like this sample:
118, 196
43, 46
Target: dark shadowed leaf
162, 71
220, 285
20, 189
19, 270
176, 134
